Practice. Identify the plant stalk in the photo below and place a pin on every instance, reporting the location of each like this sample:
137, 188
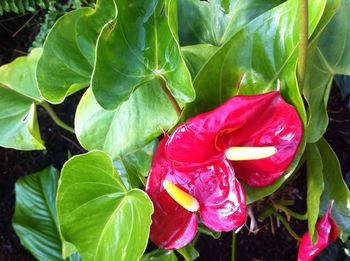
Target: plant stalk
291, 212
303, 42
170, 97
55, 118
286, 225
233, 251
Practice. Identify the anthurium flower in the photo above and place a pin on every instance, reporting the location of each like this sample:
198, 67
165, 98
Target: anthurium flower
327, 232
194, 170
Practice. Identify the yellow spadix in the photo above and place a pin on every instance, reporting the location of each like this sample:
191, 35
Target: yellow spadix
250, 153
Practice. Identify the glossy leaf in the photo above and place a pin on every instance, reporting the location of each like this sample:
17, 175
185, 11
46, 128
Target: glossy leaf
35, 219
188, 252
130, 127
68, 54
251, 61
138, 47
19, 75
196, 56
315, 187
18, 122
329, 55
160, 255
335, 189
98, 214
214, 22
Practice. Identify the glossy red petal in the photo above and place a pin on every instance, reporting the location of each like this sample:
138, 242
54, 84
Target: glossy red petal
220, 196
172, 226
256, 120
327, 233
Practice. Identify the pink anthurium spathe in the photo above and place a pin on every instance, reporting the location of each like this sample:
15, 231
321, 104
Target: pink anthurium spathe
194, 170
327, 232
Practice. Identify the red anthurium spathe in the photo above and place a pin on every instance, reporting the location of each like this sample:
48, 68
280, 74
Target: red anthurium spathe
327, 232
194, 170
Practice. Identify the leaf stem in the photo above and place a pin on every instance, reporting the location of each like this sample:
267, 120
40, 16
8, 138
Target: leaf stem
233, 251
170, 97
55, 118
286, 225
290, 212
303, 42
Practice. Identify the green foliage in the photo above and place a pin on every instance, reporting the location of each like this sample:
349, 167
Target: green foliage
160, 255
23, 6
96, 212
35, 220
18, 93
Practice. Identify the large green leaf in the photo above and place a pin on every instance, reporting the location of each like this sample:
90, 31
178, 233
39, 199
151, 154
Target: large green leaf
128, 128
67, 61
251, 61
197, 55
98, 214
18, 93
214, 22
138, 47
335, 189
19, 75
315, 186
35, 219
329, 55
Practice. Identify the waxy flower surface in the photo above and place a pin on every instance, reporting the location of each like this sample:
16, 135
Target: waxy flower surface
195, 169
327, 232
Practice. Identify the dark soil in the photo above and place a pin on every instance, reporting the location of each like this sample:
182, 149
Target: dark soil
13, 164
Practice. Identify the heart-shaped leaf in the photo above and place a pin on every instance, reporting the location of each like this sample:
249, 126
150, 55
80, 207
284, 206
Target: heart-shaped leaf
130, 127
35, 220
138, 47
98, 214
335, 189
329, 55
69, 51
18, 93
215, 21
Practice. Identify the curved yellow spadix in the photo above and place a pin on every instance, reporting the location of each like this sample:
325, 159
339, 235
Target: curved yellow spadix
250, 153
181, 197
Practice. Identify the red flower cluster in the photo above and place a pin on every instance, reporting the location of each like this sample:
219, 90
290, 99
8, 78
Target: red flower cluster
252, 138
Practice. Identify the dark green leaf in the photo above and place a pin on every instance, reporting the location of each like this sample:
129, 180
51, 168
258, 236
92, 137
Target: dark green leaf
130, 127
67, 61
98, 214
335, 189
35, 219
215, 21
188, 252
315, 186
138, 47
328, 55
160, 255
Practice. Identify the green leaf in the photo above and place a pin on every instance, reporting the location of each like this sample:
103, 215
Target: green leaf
215, 21
19, 127
188, 252
18, 122
197, 55
19, 75
138, 47
133, 168
35, 219
206, 231
160, 255
98, 214
329, 55
130, 127
68, 54
251, 61
335, 189
315, 186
